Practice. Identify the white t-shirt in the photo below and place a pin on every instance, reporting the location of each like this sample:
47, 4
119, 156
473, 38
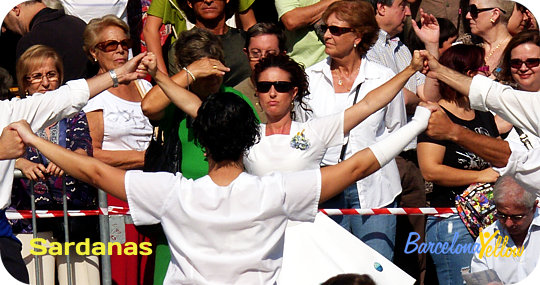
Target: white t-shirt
90, 9
125, 127
303, 148
223, 234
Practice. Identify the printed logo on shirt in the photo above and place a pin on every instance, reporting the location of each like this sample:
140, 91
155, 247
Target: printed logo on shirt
482, 249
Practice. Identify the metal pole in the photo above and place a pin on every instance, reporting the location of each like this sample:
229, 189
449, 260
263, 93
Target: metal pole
106, 276
37, 258
66, 228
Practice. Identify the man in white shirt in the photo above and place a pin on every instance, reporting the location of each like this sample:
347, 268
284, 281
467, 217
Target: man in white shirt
514, 237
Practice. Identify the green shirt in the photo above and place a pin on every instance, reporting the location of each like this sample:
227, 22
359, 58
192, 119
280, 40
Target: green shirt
169, 14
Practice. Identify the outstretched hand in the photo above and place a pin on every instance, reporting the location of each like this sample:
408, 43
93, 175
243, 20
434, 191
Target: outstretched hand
431, 64
131, 70
440, 126
429, 32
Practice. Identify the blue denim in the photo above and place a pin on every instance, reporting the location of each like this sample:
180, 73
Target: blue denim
449, 266
378, 232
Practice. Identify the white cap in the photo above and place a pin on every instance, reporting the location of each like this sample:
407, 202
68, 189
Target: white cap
6, 6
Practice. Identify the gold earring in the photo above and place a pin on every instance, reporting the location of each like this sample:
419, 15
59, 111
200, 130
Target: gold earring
492, 21
259, 106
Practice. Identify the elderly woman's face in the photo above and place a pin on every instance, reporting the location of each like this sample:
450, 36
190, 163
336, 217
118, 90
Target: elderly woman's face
43, 77
339, 38
480, 22
111, 49
524, 66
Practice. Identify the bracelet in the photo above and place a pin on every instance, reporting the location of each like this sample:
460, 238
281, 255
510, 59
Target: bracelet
114, 78
190, 74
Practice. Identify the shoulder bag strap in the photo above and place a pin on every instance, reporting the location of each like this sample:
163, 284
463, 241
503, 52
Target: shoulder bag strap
344, 148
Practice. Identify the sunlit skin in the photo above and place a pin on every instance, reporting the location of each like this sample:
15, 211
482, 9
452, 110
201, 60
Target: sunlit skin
276, 105
342, 45
447, 44
45, 85
527, 78
113, 59
482, 23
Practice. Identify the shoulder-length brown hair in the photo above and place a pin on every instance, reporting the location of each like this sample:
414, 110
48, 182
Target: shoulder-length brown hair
529, 36
361, 16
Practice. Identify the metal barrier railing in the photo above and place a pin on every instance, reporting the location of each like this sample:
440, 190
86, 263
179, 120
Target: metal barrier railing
106, 275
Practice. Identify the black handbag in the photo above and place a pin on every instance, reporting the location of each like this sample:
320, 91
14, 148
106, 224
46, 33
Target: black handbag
164, 152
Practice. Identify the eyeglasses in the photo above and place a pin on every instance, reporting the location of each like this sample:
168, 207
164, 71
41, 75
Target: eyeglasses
280, 86
335, 30
514, 218
529, 62
112, 45
475, 11
257, 54
38, 77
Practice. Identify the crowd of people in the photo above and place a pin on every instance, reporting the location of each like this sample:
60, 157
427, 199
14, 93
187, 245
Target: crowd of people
220, 134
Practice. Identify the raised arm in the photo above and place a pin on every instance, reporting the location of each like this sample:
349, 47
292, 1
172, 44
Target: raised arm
337, 177
152, 39
174, 89
381, 96
82, 167
304, 16
429, 33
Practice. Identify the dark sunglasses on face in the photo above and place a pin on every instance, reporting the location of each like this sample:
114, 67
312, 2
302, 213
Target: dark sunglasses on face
335, 30
280, 86
529, 62
475, 11
112, 45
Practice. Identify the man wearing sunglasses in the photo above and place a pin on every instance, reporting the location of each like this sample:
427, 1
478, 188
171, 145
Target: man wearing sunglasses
38, 24
518, 221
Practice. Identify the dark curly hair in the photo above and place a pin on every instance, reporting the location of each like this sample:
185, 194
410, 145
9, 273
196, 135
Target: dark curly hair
296, 72
226, 127
361, 17
529, 36
461, 58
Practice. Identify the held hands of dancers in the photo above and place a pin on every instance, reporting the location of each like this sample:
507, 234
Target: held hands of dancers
132, 69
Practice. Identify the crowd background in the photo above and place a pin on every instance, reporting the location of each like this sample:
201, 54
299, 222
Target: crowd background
509, 20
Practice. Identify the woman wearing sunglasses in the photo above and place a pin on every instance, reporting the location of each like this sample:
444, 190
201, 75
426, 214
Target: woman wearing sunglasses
120, 132
488, 19
338, 82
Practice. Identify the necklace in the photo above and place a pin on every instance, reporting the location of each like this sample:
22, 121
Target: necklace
492, 51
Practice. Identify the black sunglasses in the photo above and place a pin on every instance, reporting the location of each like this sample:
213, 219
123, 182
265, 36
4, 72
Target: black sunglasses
475, 11
112, 45
280, 86
529, 62
335, 30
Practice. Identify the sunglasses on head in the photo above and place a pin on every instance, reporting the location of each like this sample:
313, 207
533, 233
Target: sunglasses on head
280, 86
112, 45
529, 62
335, 30
475, 11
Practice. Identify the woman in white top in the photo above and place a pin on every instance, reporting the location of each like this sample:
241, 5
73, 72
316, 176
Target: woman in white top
227, 226
120, 132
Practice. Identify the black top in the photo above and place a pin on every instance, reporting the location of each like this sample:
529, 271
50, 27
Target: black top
233, 45
62, 32
457, 157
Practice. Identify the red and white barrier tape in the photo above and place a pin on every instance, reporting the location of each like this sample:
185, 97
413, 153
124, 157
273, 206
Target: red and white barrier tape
389, 211
27, 214
113, 210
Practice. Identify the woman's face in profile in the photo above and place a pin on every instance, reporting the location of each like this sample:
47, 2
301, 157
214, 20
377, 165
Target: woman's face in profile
524, 66
339, 38
43, 77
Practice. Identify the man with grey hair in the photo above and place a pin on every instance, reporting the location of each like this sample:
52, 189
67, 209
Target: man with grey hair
514, 238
